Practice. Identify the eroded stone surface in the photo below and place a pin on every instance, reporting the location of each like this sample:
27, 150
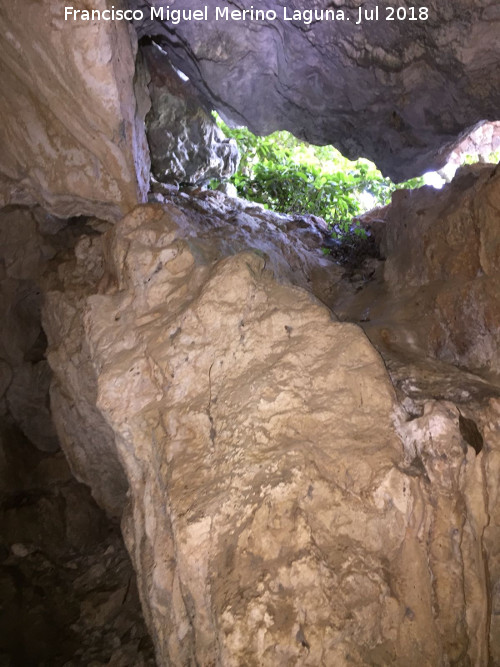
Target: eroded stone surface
447, 247
67, 588
72, 131
185, 143
217, 225
437, 293
25, 376
482, 142
441, 249
276, 514
398, 92
489, 422
454, 510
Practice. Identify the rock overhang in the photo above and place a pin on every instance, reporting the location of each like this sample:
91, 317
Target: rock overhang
400, 91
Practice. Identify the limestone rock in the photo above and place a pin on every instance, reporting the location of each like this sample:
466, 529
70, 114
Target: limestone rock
216, 225
25, 375
489, 420
274, 515
28, 403
78, 421
29, 241
482, 142
399, 92
454, 511
446, 245
185, 143
85, 436
72, 133
437, 294
67, 588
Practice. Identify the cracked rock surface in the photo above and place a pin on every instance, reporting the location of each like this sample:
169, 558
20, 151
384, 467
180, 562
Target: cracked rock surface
283, 507
399, 92
431, 309
67, 588
185, 144
72, 131
437, 292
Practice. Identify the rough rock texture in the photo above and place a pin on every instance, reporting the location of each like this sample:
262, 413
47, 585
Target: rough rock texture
431, 309
452, 441
282, 508
86, 437
482, 142
67, 588
185, 143
24, 373
441, 281
397, 92
223, 225
30, 240
454, 509
489, 422
288, 494
72, 131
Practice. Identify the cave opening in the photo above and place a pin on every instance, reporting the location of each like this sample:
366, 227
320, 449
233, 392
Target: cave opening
246, 416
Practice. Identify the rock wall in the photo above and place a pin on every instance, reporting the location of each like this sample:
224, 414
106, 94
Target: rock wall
431, 308
67, 586
282, 506
74, 103
28, 241
442, 270
292, 489
400, 92
482, 142
185, 143
72, 130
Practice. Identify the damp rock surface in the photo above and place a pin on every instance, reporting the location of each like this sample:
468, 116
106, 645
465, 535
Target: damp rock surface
185, 144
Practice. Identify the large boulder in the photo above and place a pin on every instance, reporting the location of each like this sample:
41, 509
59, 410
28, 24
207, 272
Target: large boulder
400, 92
280, 509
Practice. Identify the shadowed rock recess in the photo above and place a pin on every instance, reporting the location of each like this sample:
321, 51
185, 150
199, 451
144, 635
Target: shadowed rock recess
210, 428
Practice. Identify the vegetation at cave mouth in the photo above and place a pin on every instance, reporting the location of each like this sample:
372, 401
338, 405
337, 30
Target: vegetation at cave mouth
290, 176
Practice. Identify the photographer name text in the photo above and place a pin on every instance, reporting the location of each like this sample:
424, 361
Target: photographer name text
306, 16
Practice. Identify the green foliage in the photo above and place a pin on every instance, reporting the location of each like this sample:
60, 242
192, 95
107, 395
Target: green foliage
290, 176
492, 158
